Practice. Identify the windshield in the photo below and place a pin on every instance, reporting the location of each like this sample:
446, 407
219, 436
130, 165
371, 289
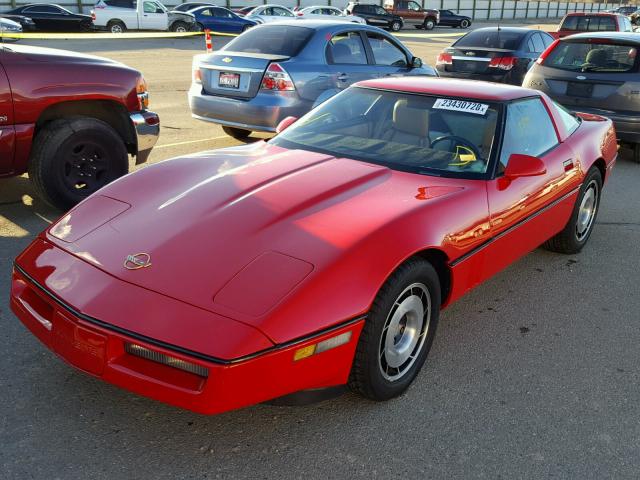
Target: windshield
271, 39
491, 39
425, 134
592, 57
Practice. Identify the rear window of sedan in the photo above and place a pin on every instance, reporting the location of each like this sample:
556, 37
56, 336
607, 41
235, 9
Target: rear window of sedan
491, 39
592, 57
272, 40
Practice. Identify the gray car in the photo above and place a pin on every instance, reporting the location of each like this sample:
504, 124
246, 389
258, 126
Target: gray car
595, 72
283, 69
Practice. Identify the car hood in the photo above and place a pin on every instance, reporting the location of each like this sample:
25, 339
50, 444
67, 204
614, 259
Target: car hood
235, 230
53, 55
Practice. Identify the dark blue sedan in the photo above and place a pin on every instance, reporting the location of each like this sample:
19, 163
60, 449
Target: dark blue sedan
220, 19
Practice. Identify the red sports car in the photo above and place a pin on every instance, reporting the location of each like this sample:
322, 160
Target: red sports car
319, 258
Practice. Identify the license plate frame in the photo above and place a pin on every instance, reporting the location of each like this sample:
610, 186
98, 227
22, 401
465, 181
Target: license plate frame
229, 80
579, 89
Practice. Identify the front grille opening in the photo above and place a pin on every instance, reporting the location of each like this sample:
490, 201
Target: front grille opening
142, 352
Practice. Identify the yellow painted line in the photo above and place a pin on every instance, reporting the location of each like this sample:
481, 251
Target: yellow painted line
167, 145
99, 36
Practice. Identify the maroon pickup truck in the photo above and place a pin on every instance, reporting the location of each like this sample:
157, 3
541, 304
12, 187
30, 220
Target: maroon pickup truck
71, 120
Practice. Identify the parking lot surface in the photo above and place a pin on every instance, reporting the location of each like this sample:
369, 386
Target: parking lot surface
535, 374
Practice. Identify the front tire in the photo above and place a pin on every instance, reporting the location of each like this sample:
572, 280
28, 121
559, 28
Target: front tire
395, 26
576, 233
179, 27
429, 24
464, 24
73, 158
398, 332
237, 133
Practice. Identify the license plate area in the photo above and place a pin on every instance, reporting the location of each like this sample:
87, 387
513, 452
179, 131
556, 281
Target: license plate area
577, 89
229, 80
469, 66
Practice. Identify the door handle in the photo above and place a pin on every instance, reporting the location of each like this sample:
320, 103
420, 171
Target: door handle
568, 165
343, 77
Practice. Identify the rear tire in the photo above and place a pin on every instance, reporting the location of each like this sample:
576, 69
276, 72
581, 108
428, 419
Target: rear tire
73, 158
179, 27
246, 27
398, 332
395, 26
116, 26
237, 133
636, 152
429, 24
576, 233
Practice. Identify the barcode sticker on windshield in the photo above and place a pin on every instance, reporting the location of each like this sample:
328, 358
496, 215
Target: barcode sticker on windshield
461, 106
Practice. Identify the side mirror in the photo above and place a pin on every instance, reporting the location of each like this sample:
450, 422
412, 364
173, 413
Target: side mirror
416, 62
285, 123
520, 165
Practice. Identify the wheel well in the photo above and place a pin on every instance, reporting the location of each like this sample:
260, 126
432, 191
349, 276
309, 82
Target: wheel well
110, 112
599, 163
438, 260
114, 20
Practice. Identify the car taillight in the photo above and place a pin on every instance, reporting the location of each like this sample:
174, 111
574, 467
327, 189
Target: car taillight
300, 14
277, 78
143, 94
549, 49
444, 59
503, 63
93, 15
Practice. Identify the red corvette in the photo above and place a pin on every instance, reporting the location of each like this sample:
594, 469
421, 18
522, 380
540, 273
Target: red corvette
317, 259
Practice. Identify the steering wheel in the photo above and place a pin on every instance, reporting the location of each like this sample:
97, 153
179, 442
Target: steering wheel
457, 141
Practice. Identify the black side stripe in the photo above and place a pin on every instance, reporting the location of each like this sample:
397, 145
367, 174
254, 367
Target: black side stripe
175, 348
480, 247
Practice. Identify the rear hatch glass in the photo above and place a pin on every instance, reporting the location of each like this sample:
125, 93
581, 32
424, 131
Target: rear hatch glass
285, 40
592, 57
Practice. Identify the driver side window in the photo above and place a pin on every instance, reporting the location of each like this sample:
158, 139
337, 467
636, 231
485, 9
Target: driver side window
528, 130
150, 7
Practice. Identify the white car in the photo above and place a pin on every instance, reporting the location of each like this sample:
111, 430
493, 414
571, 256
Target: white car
9, 26
324, 12
270, 13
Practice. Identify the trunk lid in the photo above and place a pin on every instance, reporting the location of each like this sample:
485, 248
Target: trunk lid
235, 74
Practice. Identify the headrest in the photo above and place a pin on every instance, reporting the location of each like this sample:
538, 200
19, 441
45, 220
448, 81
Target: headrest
597, 56
410, 119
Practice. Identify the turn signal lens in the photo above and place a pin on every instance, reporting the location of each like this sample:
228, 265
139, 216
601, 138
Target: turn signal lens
444, 59
143, 94
277, 78
323, 346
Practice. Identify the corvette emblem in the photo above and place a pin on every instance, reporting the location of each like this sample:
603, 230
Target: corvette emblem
227, 59
137, 261
580, 77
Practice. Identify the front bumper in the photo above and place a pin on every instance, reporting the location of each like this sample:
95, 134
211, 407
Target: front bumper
261, 113
146, 125
104, 350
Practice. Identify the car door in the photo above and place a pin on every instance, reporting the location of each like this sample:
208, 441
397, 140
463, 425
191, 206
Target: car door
347, 59
526, 211
447, 19
412, 13
42, 16
379, 16
7, 130
389, 59
154, 17
226, 21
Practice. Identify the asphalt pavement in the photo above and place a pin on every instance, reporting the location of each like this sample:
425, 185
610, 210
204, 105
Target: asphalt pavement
535, 374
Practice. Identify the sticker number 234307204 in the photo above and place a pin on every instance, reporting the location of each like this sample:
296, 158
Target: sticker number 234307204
461, 106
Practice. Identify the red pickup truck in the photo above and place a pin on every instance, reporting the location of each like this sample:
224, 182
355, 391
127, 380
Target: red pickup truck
71, 120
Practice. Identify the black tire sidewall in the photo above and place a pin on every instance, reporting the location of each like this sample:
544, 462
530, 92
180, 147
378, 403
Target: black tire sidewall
414, 272
47, 163
464, 24
237, 133
394, 23
428, 22
592, 174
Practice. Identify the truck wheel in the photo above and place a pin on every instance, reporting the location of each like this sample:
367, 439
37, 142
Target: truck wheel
116, 26
179, 27
72, 158
395, 26
237, 133
429, 23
